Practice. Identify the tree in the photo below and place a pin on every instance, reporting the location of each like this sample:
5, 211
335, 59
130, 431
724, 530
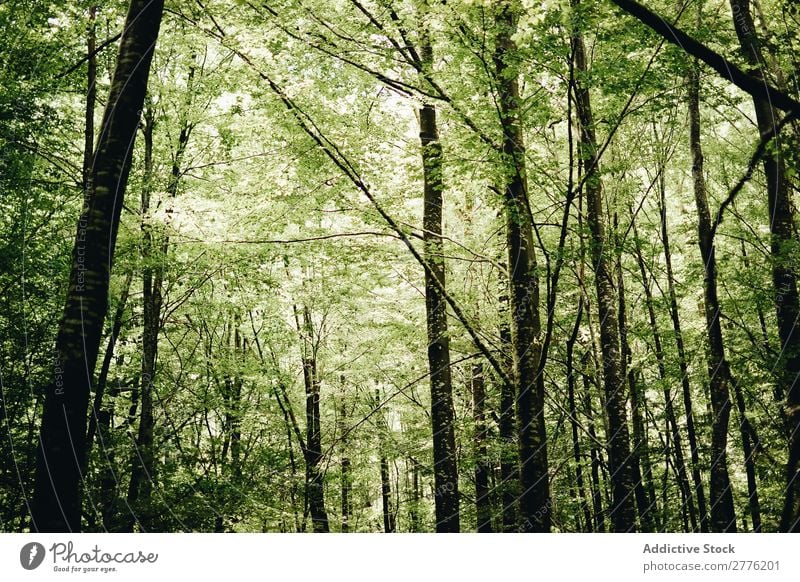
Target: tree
444, 446
57, 497
623, 512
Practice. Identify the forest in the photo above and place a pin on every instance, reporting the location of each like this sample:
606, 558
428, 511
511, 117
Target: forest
399, 266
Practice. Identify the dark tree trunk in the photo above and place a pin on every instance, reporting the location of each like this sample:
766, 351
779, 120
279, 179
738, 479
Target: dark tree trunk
669, 408
415, 497
91, 100
155, 249
315, 494
445, 472
723, 518
595, 454
623, 512
346, 478
697, 480
56, 502
386, 485
483, 507
534, 506
574, 425
105, 367
386, 496
784, 277
640, 451
509, 459
142, 465
748, 445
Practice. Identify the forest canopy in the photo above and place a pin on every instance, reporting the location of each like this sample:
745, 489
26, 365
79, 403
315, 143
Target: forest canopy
399, 266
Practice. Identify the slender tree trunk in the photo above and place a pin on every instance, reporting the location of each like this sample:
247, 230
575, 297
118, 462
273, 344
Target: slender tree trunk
155, 250
640, 450
784, 276
315, 494
415, 497
535, 506
346, 478
445, 472
386, 496
386, 485
697, 480
91, 100
509, 459
142, 464
56, 502
669, 408
105, 367
574, 425
723, 518
483, 507
595, 454
623, 512
748, 445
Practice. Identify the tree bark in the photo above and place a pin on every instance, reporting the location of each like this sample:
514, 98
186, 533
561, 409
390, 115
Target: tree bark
313, 450
509, 458
669, 408
574, 425
445, 472
534, 499
723, 518
640, 451
56, 502
346, 478
623, 512
142, 464
595, 454
91, 99
386, 485
784, 276
483, 507
697, 480
155, 250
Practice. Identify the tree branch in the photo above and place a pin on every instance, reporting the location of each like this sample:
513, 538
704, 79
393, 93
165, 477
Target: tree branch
726, 69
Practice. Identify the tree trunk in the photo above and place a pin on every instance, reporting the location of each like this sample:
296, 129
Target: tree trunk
445, 472
748, 445
56, 502
155, 250
509, 460
142, 464
784, 277
386, 496
415, 497
483, 507
697, 479
640, 450
535, 505
315, 493
595, 454
623, 512
91, 99
573, 415
105, 367
723, 518
345, 462
669, 408
386, 486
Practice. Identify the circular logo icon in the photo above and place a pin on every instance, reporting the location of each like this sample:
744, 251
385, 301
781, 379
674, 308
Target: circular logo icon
31, 555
